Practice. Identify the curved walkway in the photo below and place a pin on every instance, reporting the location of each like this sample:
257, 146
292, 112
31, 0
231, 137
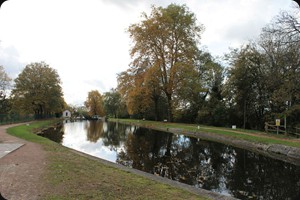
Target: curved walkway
21, 170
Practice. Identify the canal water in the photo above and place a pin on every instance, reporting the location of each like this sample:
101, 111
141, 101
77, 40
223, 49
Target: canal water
213, 166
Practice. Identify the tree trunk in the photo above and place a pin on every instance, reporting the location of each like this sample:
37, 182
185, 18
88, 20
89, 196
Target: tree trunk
170, 113
244, 115
156, 110
169, 144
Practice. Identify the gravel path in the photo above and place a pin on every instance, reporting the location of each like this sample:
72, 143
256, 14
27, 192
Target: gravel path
21, 170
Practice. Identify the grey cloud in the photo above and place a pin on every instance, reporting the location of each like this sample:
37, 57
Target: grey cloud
133, 3
9, 59
96, 84
122, 3
244, 31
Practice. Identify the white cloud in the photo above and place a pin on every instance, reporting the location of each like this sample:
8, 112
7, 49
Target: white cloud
9, 59
86, 41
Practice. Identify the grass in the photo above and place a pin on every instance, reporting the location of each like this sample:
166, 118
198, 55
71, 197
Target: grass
26, 131
71, 176
253, 136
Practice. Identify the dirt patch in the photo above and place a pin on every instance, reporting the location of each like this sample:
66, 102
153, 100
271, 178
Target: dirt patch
21, 171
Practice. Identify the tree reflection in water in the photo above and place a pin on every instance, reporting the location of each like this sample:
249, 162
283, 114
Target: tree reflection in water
94, 130
210, 165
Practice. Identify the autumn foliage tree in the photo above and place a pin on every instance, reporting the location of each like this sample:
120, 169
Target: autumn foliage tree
166, 40
170, 75
38, 91
140, 91
94, 103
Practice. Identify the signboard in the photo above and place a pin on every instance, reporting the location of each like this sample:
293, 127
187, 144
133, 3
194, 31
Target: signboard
277, 122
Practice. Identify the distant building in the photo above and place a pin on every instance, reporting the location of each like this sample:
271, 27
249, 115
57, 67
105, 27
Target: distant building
66, 114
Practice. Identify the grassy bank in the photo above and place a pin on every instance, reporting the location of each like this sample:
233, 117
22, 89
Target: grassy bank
249, 135
70, 176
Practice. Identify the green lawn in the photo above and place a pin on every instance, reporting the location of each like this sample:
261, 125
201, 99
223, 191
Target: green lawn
71, 176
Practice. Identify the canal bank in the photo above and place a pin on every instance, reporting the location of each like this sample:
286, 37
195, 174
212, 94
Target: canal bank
201, 163
70, 176
198, 191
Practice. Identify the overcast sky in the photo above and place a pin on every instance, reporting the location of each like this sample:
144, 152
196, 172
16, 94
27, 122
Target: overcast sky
86, 41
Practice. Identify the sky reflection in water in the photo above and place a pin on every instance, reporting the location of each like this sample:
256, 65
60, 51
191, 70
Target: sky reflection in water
76, 137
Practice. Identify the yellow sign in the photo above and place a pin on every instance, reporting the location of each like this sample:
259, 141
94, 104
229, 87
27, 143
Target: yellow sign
277, 122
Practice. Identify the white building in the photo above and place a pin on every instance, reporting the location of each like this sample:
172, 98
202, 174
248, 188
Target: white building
66, 114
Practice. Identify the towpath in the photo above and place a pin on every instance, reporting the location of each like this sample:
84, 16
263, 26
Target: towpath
20, 170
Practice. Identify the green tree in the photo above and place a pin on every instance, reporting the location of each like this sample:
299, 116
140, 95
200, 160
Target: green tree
247, 80
199, 85
285, 26
38, 91
5, 83
283, 61
263, 81
94, 103
166, 40
211, 106
113, 103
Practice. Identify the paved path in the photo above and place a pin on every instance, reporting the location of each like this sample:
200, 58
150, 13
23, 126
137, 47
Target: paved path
6, 148
21, 167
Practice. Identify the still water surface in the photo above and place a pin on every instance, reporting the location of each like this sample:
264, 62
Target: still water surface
203, 164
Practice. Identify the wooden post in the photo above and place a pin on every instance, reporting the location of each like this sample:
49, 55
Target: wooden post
277, 123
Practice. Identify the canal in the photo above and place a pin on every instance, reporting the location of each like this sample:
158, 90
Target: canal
213, 166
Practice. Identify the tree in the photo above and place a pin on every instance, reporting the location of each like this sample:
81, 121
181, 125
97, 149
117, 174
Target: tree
5, 82
113, 104
263, 82
37, 90
94, 103
247, 80
286, 26
141, 91
131, 86
199, 85
166, 40
211, 106
284, 74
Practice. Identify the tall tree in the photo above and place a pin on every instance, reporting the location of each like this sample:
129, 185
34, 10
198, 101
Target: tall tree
141, 91
166, 40
247, 79
113, 103
94, 103
286, 27
37, 90
5, 83
284, 74
131, 86
200, 82
211, 107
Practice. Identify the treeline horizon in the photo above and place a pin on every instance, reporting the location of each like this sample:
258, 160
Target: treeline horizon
171, 77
